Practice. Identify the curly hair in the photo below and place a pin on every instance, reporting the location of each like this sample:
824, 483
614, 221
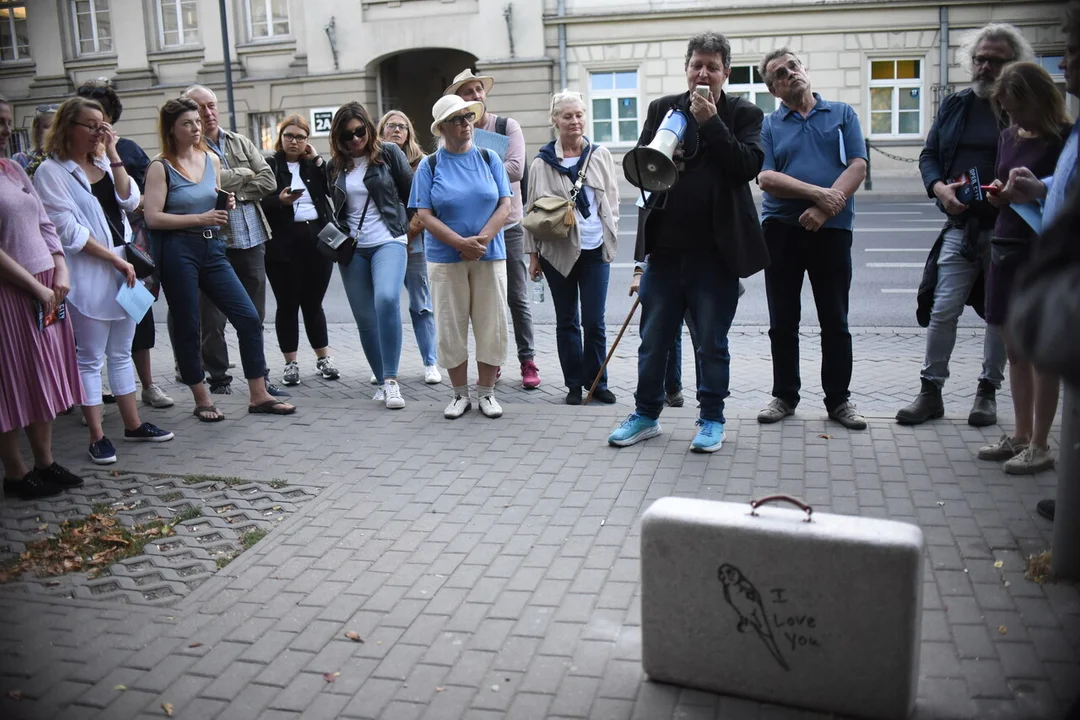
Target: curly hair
58, 139
103, 91
1021, 48
709, 43
338, 147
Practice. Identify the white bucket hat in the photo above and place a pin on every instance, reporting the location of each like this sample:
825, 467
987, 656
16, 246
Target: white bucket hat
447, 105
465, 76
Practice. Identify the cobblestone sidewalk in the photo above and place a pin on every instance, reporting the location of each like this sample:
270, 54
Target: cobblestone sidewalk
490, 567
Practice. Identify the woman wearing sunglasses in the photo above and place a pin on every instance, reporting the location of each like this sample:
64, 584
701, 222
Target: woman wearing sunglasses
397, 128
462, 195
298, 273
369, 183
87, 193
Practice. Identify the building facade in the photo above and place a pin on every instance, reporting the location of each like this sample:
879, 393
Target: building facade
892, 60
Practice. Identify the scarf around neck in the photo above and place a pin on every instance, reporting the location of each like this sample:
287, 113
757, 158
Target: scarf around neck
547, 154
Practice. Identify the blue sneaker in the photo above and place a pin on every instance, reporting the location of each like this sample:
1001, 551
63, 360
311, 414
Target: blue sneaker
148, 433
102, 452
634, 429
275, 391
709, 438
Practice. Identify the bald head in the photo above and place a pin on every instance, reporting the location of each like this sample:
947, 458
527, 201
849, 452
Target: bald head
208, 109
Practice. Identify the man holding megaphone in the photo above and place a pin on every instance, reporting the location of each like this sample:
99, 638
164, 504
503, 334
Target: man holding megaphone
700, 229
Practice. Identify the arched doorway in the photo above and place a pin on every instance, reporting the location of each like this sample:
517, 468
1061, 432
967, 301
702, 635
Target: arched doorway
413, 80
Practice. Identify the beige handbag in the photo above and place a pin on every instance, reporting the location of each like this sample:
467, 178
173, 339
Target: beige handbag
550, 217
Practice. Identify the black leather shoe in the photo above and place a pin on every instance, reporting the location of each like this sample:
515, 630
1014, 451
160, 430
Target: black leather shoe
927, 406
31, 487
573, 397
603, 395
984, 409
60, 476
1046, 509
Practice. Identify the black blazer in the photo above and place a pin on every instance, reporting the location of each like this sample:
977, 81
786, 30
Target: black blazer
734, 140
280, 216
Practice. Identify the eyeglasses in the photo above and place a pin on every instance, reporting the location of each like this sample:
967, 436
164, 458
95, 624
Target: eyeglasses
294, 138
462, 120
396, 126
989, 60
358, 133
94, 129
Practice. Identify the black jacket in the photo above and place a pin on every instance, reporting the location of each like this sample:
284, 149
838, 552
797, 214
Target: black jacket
734, 140
280, 216
388, 183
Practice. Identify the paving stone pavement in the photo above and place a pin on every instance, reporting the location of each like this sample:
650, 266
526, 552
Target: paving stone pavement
491, 566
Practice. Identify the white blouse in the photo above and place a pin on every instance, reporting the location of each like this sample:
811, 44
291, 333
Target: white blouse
374, 232
78, 217
303, 207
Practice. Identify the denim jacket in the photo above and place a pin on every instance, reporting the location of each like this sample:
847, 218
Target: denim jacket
388, 183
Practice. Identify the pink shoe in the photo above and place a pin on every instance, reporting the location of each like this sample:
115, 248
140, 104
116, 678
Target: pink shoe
530, 375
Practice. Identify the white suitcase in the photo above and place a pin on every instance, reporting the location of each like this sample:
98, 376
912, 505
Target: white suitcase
784, 606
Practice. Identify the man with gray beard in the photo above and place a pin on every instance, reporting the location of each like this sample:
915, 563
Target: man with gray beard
964, 136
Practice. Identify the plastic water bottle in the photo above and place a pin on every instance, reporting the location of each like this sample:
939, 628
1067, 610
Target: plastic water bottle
538, 290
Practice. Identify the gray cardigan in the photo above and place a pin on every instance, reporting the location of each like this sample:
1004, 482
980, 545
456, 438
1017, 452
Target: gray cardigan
545, 180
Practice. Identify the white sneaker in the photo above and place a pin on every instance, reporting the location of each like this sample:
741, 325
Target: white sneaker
374, 380
156, 397
1030, 460
490, 406
380, 396
392, 395
457, 407
431, 375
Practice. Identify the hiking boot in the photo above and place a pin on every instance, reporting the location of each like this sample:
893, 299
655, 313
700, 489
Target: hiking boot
984, 409
1004, 449
1029, 461
927, 406
775, 411
847, 415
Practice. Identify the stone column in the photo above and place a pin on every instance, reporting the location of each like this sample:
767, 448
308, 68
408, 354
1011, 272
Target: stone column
1066, 546
131, 26
43, 23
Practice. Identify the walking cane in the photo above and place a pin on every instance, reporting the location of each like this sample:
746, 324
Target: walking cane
633, 309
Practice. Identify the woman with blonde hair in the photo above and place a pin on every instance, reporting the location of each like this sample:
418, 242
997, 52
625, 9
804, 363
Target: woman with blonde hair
577, 267
1036, 134
182, 189
396, 127
39, 376
369, 183
298, 273
87, 194
39, 126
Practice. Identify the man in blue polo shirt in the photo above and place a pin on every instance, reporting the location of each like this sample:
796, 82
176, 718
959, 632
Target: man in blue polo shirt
815, 160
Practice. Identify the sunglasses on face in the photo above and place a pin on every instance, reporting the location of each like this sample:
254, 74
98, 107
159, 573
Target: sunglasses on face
358, 133
397, 126
295, 138
47, 108
462, 120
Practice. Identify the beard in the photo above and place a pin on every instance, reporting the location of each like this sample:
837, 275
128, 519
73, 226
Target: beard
982, 87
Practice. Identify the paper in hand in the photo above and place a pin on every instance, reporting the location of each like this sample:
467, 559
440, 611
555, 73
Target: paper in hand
136, 301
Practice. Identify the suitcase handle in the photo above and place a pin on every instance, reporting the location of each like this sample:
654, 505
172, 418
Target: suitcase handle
755, 504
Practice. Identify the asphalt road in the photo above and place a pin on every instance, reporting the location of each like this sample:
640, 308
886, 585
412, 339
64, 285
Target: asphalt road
891, 243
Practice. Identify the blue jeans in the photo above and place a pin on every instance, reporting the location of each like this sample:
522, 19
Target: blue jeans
588, 280
373, 285
671, 285
673, 370
423, 318
956, 277
188, 264
825, 257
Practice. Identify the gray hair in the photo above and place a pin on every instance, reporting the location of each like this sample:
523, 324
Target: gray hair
1021, 48
709, 43
199, 88
564, 97
773, 55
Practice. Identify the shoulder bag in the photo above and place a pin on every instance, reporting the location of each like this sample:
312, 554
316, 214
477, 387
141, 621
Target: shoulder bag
550, 217
337, 245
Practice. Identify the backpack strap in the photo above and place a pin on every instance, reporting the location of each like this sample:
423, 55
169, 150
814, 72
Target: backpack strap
500, 124
432, 160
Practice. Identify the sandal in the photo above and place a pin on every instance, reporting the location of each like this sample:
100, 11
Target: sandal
208, 413
272, 407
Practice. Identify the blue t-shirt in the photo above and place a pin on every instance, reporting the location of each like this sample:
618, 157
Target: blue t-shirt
463, 194
815, 149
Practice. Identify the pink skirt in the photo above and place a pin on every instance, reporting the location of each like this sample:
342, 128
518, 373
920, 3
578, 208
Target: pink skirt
39, 376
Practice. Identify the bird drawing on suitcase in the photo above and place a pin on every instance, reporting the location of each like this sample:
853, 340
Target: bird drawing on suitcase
744, 598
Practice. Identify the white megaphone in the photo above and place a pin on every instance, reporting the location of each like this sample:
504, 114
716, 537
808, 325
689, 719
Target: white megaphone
650, 167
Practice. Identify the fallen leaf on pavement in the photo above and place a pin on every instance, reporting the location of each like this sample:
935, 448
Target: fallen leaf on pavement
354, 636
439, 689
1002, 629
167, 707
195, 645
120, 687
823, 436
999, 564
15, 694
331, 677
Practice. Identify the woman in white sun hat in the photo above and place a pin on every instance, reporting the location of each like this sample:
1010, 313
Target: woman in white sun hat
462, 195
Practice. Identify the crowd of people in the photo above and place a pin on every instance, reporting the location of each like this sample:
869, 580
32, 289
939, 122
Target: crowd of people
465, 227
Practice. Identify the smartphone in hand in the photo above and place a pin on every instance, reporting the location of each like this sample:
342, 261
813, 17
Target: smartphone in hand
297, 191
222, 200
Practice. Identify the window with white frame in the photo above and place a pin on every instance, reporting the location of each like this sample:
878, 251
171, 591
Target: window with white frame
614, 96
267, 18
14, 40
896, 97
1052, 65
746, 82
178, 22
93, 28
264, 129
